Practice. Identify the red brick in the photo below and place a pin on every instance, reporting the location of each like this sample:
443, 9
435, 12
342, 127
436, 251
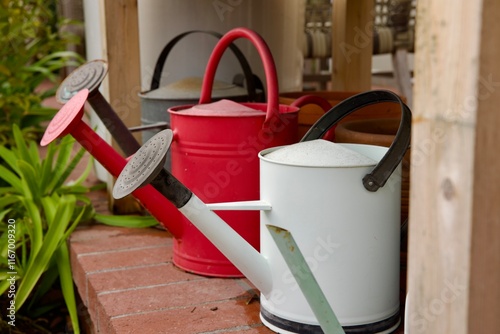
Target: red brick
79, 276
184, 294
94, 262
131, 278
231, 314
86, 264
95, 231
128, 278
256, 329
120, 241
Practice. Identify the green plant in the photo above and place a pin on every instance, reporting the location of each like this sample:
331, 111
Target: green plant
31, 52
44, 209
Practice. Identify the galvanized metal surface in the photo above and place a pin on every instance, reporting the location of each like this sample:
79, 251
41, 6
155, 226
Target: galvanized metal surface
144, 165
89, 76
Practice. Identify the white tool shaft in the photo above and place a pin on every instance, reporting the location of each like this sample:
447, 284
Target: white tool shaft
246, 258
243, 206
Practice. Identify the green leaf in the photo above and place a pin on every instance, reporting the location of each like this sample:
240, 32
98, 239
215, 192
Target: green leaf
9, 157
6, 201
86, 172
55, 55
66, 279
44, 284
69, 168
35, 156
49, 205
22, 264
4, 245
63, 158
4, 285
3, 214
75, 222
73, 189
4, 240
29, 181
126, 221
51, 242
47, 164
11, 179
6, 191
36, 231
21, 147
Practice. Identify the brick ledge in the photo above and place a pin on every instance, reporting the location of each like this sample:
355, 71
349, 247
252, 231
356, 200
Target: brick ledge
126, 279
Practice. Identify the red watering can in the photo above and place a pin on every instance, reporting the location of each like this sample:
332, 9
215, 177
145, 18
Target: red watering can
222, 139
214, 153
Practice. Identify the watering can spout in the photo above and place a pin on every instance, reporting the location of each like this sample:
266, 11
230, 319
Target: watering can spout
246, 258
146, 166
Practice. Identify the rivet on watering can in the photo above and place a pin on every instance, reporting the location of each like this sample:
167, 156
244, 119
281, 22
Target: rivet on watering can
89, 76
69, 121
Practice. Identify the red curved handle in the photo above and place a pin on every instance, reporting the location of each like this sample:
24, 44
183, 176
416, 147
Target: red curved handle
265, 55
312, 99
322, 103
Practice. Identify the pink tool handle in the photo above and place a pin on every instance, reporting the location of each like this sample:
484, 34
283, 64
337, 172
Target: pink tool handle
114, 163
265, 55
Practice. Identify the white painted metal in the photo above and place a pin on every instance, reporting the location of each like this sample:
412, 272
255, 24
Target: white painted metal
348, 235
246, 258
280, 23
244, 205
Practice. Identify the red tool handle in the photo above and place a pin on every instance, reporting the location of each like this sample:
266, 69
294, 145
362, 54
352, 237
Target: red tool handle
312, 99
322, 103
265, 55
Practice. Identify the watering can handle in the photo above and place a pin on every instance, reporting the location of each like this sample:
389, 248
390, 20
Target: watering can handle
265, 55
312, 99
381, 173
245, 66
304, 100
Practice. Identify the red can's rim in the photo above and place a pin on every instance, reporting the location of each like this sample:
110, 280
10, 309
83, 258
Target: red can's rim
282, 109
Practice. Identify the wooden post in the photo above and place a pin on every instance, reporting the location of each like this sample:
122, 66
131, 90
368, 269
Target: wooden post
124, 78
352, 44
454, 248
122, 42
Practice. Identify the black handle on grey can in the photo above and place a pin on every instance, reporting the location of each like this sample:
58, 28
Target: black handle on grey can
386, 166
252, 81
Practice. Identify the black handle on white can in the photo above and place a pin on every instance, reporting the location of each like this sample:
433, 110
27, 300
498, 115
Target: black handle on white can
386, 166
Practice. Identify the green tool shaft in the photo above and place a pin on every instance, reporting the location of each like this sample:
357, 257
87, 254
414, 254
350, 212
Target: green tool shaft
306, 281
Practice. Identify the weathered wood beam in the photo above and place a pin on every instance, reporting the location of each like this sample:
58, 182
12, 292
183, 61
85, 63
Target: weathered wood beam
455, 186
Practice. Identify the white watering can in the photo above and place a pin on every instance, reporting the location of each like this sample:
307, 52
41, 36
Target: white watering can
341, 202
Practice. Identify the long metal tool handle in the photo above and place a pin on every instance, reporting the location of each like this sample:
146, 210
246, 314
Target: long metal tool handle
114, 124
162, 209
306, 281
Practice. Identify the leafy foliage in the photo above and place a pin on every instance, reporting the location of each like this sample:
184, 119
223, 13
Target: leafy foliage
35, 192
31, 52
46, 211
